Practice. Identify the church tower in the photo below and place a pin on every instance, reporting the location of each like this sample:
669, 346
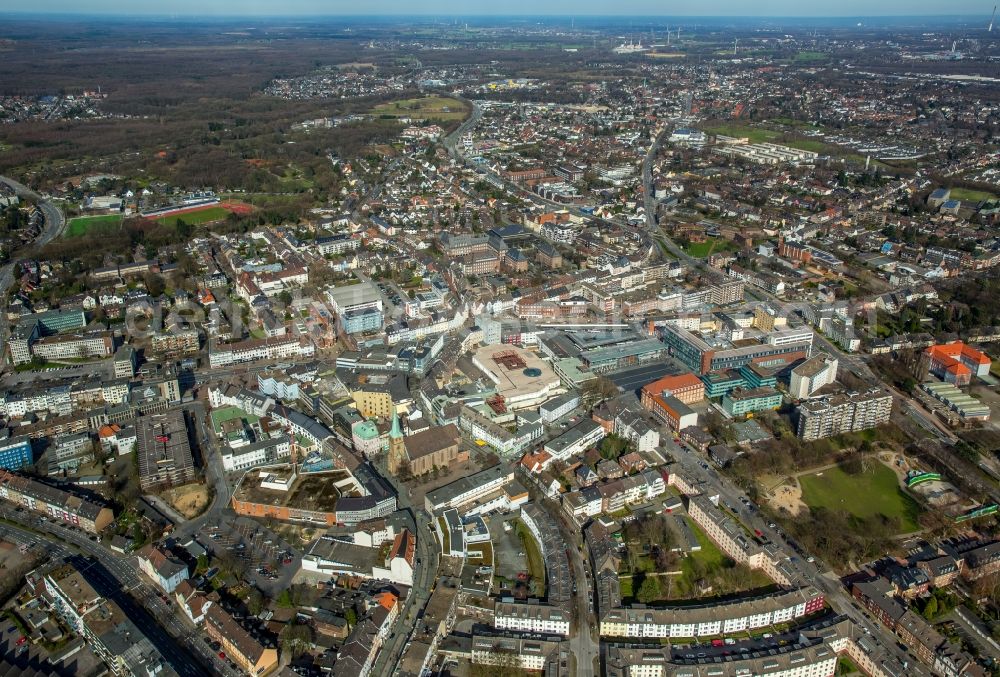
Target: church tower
397, 446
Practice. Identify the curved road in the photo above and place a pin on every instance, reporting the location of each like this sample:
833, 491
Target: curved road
54, 224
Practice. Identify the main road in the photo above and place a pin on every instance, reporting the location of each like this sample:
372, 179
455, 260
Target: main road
425, 573
54, 223
118, 578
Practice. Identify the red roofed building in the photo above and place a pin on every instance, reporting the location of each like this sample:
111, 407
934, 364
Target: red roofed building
399, 562
687, 388
957, 363
536, 462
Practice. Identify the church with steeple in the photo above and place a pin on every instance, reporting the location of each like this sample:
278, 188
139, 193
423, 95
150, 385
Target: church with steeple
434, 447
397, 446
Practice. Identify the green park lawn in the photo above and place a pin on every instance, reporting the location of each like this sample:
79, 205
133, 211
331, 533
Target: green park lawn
536, 565
700, 250
807, 57
424, 108
82, 225
867, 494
736, 130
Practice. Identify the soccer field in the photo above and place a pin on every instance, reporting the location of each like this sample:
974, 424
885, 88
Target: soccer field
194, 218
82, 225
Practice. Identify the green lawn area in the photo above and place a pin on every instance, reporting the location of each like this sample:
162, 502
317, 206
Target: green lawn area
536, 565
709, 555
700, 250
790, 122
970, 195
424, 108
867, 494
82, 225
735, 129
808, 144
807, 57
220, 416
709, 564
195, 218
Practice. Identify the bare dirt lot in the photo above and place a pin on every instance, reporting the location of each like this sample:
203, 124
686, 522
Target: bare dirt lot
189, 500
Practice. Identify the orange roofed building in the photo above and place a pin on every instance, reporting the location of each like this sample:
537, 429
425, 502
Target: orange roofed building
687, 388
957, 362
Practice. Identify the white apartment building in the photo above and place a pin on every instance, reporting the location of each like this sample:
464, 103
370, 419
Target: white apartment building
263, 452
535, 618
811, 375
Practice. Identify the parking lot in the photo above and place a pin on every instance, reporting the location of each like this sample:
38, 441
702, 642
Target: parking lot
508, 554
270, 562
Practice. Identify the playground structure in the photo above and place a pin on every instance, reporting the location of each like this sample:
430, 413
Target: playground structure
916, 478
981, 511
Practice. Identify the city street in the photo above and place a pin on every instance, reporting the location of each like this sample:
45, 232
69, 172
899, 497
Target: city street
117, 577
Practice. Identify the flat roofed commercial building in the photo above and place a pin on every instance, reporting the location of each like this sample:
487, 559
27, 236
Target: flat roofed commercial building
165, 457
576, 440
701, 356
468, 489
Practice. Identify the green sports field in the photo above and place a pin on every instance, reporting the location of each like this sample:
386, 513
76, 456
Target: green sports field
866, 494
208, 215
82, 225
970, 195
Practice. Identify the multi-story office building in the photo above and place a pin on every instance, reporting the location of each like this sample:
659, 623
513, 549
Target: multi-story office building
262, 452
706, 354
70, 346
812, 375
124, 362
739, 401
846, 413
687, 388
15, 453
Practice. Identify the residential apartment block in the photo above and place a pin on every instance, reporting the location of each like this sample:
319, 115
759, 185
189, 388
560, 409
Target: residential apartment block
55, 502
845, 413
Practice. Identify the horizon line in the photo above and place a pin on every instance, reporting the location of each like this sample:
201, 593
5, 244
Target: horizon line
592, 15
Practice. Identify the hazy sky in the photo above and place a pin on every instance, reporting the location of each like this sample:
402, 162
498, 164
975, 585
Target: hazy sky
533, 7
